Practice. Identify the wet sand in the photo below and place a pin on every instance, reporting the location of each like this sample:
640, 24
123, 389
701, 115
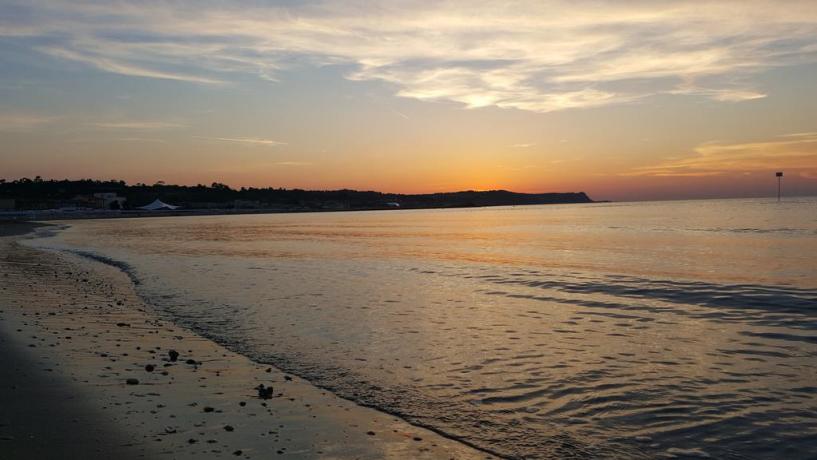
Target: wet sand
86, 373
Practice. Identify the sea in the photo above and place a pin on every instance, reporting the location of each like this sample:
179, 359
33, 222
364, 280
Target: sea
609, 330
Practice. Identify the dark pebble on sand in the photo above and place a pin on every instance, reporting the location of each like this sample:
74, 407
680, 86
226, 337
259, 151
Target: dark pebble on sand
237, 453
132, 381
150, 367
191, 361
173, 354
370, 433
208, 409
264, 392
228, 428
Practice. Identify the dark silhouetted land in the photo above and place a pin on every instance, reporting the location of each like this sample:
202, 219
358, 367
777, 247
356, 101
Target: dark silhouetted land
39, 194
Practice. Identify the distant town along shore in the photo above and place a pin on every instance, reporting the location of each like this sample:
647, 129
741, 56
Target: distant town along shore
72, 196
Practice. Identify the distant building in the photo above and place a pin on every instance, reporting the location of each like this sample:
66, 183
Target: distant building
7, 204
105, 200
84, 202
109, 198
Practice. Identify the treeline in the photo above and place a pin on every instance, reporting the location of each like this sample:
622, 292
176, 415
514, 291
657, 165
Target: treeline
34, 193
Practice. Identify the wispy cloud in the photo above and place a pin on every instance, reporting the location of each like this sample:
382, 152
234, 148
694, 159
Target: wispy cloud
22, 122
138, 125
141, 139
522, 146
793, 151
530, 55
116, 139
120, 66
247, 140
400, 114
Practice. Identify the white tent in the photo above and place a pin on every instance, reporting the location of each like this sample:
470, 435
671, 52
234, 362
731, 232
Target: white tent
158, 205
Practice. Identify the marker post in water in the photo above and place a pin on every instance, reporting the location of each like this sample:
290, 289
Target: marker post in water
779, 180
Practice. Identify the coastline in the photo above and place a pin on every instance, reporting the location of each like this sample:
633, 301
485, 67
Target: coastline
49, 214
73, 332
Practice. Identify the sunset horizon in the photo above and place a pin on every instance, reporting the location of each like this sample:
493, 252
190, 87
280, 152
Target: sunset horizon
626, 101
768, 189
408, 229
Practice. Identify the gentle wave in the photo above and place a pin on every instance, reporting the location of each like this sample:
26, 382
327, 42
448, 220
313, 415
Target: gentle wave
543, 332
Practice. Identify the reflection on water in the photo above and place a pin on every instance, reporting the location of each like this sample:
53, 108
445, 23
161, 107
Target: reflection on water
614, 330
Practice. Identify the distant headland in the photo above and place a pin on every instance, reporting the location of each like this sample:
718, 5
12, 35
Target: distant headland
102, 197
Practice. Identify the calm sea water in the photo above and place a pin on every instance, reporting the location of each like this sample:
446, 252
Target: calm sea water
579, 331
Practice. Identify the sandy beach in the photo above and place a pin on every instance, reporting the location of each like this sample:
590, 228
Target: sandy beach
87, 372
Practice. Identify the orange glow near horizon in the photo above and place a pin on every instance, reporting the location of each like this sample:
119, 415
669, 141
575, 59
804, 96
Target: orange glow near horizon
622, 100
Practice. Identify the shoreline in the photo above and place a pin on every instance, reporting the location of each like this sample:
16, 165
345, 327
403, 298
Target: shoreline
74, 333
48, 215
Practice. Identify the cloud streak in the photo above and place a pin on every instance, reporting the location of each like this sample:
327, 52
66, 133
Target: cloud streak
11, 122
538, 56
248, 140
138, 125
119, 66
794, 152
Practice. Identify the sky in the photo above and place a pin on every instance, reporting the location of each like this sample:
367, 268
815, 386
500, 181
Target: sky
624, 100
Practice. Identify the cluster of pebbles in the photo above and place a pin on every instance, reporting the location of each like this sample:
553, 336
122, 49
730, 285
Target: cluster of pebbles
173, 393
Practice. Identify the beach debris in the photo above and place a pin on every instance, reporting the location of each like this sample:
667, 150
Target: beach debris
132, 381
150, 367
264, 392
170, 430
174, 355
